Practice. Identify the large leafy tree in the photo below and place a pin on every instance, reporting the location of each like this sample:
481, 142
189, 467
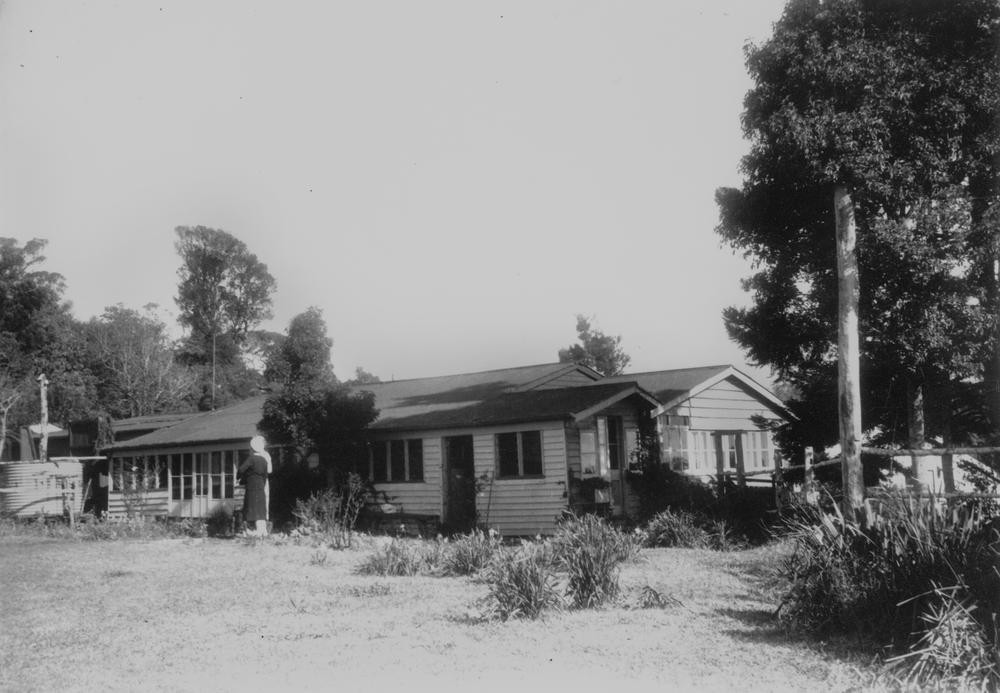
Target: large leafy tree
224, 291
38, 335
601, 352
310, 410
895, 101
133, 358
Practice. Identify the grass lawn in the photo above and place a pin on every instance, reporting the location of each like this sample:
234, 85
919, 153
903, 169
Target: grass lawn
209, 614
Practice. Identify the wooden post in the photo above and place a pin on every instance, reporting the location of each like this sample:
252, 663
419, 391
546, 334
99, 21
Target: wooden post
43, 445
809, 480
848, 352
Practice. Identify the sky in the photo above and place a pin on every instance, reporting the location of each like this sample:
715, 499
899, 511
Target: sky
450, 182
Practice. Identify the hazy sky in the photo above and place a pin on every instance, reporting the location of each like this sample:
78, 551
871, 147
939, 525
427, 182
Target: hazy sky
451, 182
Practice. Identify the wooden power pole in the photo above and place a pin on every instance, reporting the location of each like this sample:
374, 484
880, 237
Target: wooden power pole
848, 352
43, 445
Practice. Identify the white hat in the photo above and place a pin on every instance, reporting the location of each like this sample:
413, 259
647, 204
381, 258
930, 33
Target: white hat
257, 443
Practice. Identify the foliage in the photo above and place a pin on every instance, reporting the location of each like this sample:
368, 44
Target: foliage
601, 352
468, 554
333, 512
133, 359
953, 652
399, 557
521, 583
676, 528
896, 101
590, 551
38, 335
363, 377
311, 411
906, 563
223, 291
219, 522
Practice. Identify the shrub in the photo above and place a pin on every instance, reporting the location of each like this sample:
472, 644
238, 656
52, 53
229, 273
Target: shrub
881, 578
676, 529
398, 557
334, 511
590, 551
220, 522
469, 553
521, 583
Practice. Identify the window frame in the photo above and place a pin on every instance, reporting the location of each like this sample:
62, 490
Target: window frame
410, 467
520, 451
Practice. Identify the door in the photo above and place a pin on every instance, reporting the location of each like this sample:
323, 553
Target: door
460, 484
617, 463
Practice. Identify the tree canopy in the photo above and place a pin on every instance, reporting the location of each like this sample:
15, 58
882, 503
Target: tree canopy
224, 291
310, 410
895, 100
601, 352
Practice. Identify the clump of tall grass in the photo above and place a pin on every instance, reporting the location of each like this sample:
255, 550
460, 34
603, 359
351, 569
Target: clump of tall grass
688, 530
470, 553
522, 583
399, 557
590, 551
902, 576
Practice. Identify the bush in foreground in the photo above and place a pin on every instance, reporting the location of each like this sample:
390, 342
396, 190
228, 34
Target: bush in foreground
590, 551
521, 583
914, 576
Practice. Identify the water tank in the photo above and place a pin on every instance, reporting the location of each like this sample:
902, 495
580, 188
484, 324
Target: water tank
28, 489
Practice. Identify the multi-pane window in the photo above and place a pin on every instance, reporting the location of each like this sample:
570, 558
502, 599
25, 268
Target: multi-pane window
519, 454
397, 460
144, 473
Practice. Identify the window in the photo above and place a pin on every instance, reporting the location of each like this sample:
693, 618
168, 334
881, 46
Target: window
397, 460
616, 437
519, 454
415, 459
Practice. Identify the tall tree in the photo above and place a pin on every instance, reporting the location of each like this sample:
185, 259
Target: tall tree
893, 101
39, 335
134, 360
224, 291
310, 410
601, 352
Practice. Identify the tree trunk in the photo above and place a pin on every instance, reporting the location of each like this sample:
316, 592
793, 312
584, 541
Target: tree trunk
848, 353
914, 424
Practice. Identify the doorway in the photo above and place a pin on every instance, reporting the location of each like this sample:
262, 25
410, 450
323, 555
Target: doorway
460, 485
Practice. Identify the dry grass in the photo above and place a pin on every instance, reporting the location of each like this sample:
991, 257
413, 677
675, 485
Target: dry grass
209, 614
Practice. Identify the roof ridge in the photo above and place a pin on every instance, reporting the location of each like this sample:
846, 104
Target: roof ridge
672, 370
455, 375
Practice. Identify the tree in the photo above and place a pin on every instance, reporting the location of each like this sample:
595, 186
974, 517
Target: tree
134, 360
363, 377
311, 411
38, 335
224, 291
601, 352
894, 102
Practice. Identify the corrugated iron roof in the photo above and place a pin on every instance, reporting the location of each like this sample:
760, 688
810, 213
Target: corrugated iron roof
235, 422
666, 385
506, 408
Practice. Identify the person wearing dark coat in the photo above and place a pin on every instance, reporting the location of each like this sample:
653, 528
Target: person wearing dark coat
253, 471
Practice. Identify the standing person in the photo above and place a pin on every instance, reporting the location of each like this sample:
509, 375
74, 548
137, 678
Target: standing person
254, 471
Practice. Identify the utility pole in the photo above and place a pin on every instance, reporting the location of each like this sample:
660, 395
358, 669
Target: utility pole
848, 352
43, 446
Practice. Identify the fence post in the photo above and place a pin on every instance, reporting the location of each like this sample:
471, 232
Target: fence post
809, 482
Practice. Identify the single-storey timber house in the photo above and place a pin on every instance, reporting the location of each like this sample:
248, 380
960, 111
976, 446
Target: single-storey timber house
512, 447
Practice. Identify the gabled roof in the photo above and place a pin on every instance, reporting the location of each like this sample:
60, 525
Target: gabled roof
149, 423
515, 407
421, 397
674, 386
667, 385
236, 422
414, 400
